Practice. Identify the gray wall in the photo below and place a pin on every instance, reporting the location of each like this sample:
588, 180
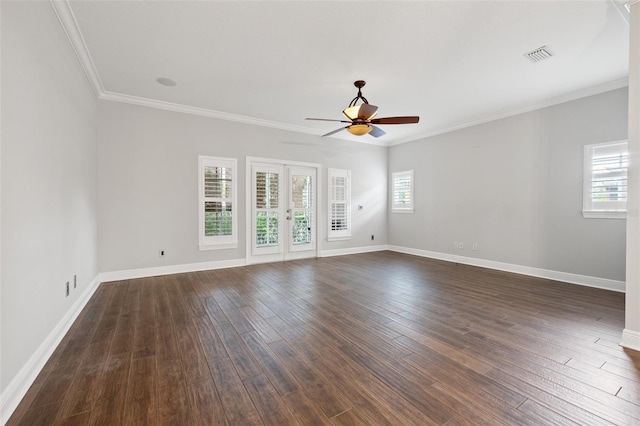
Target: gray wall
49, 193
514, 187
148, 182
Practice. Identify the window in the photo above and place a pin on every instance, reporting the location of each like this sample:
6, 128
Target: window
402, 192
605, 180
339, 205
217, 207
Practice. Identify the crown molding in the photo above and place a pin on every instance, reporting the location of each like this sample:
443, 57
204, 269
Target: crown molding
187, 109
578, 94
69, 23
204, 112
623, 9
70, 26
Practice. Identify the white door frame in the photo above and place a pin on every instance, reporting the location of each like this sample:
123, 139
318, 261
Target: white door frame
249, 208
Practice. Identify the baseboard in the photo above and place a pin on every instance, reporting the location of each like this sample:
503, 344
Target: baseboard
19, 386
630, 339
168, 270
584, 280
353, 250
205, 266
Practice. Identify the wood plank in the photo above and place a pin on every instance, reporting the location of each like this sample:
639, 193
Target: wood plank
109, 409
173, 401
575, 408
270, 406
140, 406
259, 324
85, 389
274, 368
538, 411
305, 409
205, 405
238, 352
212, 345
330, 400
194, 362
375, 338
238, 407
349, 418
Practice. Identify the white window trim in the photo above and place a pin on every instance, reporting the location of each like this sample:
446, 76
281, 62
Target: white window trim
225, 241
345, 234
588, 212
402, 208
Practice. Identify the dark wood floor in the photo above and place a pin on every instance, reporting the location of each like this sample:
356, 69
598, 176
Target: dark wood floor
379, 338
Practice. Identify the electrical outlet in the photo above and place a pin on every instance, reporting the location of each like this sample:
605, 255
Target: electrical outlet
162, 253
461, 245
372, 237
455, 244
75, 281
474, 247
67, 292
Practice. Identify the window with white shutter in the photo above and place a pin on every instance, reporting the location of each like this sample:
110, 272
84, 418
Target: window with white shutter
217, 203
605, 180
402, 192
339, 205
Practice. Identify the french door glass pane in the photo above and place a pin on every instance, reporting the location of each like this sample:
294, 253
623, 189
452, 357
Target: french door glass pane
301, 192
266, 228
267, 190
302, 227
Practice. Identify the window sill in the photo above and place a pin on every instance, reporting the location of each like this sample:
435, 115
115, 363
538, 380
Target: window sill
602, 214
401, 210
338, 238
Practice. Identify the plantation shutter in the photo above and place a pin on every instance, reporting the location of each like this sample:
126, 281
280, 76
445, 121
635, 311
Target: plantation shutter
339, 204
217, 200
402, 192
606, 177
609, 179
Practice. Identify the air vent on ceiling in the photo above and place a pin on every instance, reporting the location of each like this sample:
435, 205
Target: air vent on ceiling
540, 54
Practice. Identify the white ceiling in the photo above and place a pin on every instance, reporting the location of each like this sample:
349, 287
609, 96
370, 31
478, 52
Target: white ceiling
273, 63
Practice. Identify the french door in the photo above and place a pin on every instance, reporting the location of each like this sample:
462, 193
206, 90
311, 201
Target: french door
283, 212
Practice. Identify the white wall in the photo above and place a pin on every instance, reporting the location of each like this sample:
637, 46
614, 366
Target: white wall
49, 183
148, 182
514, 187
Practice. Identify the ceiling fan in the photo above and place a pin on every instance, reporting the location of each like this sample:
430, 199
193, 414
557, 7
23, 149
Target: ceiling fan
362, 117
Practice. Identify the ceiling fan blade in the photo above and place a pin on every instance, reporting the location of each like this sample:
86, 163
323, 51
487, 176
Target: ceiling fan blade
328, 119
335, 131
376, 132
396, 120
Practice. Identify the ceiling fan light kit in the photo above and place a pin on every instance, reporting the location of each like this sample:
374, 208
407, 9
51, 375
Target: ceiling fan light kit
359, 129
362, 117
